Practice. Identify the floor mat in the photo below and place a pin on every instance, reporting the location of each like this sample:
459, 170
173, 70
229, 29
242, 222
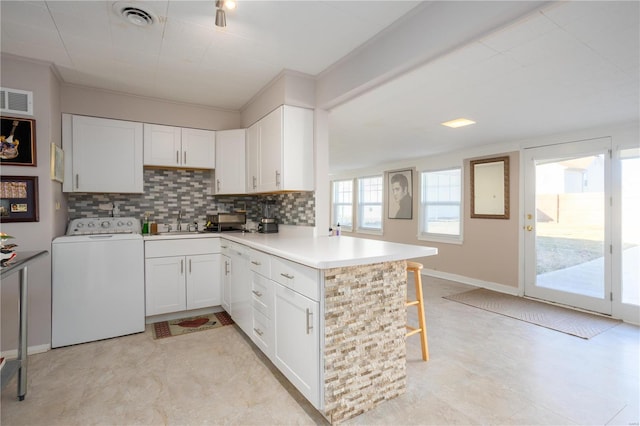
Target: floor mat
180, 326
576, 323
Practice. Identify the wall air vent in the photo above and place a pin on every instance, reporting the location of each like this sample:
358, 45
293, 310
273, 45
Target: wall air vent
16, 101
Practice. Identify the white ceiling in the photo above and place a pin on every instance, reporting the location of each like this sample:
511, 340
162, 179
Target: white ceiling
565, 66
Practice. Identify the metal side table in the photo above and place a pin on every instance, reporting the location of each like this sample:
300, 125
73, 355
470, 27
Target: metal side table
19, 365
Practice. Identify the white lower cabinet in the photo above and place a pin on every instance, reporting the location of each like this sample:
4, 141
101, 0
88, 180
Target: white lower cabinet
177, 281
225, 281
297, 341
283, 315
238, 285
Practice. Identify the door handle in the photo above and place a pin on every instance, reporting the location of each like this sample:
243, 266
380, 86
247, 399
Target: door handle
189, 266
287, 275
181, 266
529, 228
257, 293
309, 326
218, 185
184, 159
177, 157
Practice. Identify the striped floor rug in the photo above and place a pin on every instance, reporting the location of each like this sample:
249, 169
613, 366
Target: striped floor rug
576, 323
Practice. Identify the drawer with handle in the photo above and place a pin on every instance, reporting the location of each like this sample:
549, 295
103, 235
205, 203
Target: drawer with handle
297, 277
262, 295
260, 262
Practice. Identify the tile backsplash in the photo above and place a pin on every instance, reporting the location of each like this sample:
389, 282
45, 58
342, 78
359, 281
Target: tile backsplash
166, 191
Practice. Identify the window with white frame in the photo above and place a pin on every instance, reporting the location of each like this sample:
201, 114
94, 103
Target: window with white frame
370, 191
440, 204
342, 204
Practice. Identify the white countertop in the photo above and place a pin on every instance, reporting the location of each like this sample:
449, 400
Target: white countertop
331, 252
320, 252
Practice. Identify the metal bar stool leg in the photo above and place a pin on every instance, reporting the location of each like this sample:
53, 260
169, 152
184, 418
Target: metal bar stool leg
419, 303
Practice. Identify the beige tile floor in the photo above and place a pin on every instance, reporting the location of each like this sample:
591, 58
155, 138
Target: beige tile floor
484, 369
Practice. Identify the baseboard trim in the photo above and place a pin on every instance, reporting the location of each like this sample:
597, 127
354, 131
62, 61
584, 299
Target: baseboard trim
514, 291
31, 350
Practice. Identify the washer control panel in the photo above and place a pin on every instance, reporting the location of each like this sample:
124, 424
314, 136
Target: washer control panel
103, 225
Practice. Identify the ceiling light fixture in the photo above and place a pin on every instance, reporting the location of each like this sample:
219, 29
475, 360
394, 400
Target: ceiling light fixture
458, 122
221, 17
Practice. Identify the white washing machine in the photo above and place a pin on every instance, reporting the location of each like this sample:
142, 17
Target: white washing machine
97, 281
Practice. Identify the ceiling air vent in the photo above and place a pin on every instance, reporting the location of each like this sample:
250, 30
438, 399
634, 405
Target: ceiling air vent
134, 14
16, 101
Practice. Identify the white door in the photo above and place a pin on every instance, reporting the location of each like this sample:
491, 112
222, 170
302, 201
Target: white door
270, 152
297, 343
253, 137
199, 148
162, 145
230, 162
165, 285
107, 155
225, 279
567, 232
203, 285
626, 231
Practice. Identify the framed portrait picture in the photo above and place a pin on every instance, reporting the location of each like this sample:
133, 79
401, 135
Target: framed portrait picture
18, 142
400, 196
18, 199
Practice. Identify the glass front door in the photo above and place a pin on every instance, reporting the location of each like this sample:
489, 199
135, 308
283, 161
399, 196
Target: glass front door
567, 232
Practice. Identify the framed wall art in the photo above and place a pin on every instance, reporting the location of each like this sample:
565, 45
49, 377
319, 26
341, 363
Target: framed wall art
57, 163
490, 188
400, 196
18, 199
18, 142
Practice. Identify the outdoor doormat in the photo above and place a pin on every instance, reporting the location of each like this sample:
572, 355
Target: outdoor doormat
565, 320
180, 326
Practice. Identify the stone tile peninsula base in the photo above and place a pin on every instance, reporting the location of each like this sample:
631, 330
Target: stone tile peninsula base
364, 337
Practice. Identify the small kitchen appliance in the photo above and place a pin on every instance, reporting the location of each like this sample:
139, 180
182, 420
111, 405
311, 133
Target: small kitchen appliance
221, 222
268, 224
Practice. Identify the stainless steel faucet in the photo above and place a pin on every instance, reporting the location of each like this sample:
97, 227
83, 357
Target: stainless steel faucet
179, 220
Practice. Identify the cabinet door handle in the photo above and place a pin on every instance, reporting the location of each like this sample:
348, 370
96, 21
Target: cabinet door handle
181, 266
255, 262
77, 181
224, 246
218, 185
226, 267
258, 331
189, 266
177, 157
309, 325
277, 178
255, 183
287, 275
184, 158
257, 293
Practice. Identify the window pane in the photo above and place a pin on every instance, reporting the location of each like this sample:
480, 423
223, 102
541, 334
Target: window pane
370, 203
630, 161
440, 202
343, 203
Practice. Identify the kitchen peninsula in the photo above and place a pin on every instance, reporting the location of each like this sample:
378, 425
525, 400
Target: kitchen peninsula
329, 312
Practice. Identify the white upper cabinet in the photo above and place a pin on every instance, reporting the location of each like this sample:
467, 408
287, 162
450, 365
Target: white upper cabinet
280, 151
102, 155
230, 162
171, 146
198, 148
